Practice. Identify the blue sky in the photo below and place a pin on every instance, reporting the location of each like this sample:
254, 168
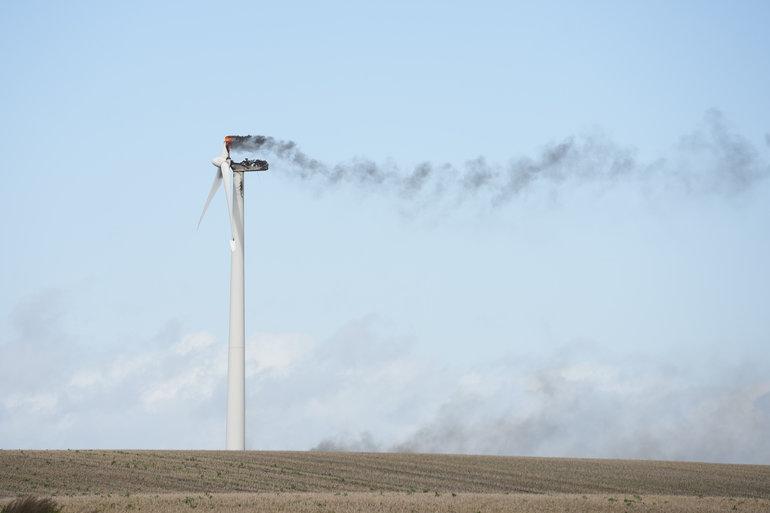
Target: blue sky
370, 316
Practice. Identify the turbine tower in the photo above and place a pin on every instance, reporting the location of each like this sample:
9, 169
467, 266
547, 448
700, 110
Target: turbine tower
232, 173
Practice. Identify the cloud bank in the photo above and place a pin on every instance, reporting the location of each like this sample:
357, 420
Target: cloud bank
363, 389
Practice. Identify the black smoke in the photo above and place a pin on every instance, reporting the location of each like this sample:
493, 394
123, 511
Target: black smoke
711, 159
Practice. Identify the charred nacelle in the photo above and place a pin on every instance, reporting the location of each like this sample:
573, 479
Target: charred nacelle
249, 165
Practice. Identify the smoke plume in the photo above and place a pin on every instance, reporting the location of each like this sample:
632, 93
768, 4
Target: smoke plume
710, 159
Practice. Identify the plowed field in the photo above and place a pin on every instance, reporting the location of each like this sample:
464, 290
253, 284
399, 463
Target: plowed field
317, 481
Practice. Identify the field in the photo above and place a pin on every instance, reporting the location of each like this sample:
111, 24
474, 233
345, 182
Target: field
319, 482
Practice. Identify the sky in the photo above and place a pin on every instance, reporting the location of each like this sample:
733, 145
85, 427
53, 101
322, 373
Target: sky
603, 294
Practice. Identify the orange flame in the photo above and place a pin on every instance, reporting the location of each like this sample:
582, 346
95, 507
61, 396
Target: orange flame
228, 140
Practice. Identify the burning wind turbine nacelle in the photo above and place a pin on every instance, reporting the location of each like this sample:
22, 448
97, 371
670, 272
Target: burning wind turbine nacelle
238, 167
246, 164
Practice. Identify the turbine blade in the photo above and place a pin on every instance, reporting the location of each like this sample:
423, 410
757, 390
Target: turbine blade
214, 189
227, 177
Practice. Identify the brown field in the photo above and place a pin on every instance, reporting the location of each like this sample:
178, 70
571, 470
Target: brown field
177, 481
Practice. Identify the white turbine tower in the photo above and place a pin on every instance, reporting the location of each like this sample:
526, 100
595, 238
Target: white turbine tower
232, 175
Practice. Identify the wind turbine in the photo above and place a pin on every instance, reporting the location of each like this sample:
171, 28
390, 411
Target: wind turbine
231, 173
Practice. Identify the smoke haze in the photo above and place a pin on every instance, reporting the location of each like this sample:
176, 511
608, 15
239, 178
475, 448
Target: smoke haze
585, 404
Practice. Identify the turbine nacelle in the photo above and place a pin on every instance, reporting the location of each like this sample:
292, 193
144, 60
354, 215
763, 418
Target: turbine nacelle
238, 167
249, 165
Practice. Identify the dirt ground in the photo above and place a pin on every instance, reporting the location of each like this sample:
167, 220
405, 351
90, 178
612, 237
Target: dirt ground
175, 481
398, 502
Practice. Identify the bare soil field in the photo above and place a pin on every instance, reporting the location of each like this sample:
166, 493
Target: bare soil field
322, 482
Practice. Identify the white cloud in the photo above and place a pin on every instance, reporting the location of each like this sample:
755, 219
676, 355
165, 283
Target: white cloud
194, 342
275, 352
43, 403
197, 383
363, 389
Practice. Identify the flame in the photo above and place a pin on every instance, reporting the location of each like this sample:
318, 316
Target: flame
228, 140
